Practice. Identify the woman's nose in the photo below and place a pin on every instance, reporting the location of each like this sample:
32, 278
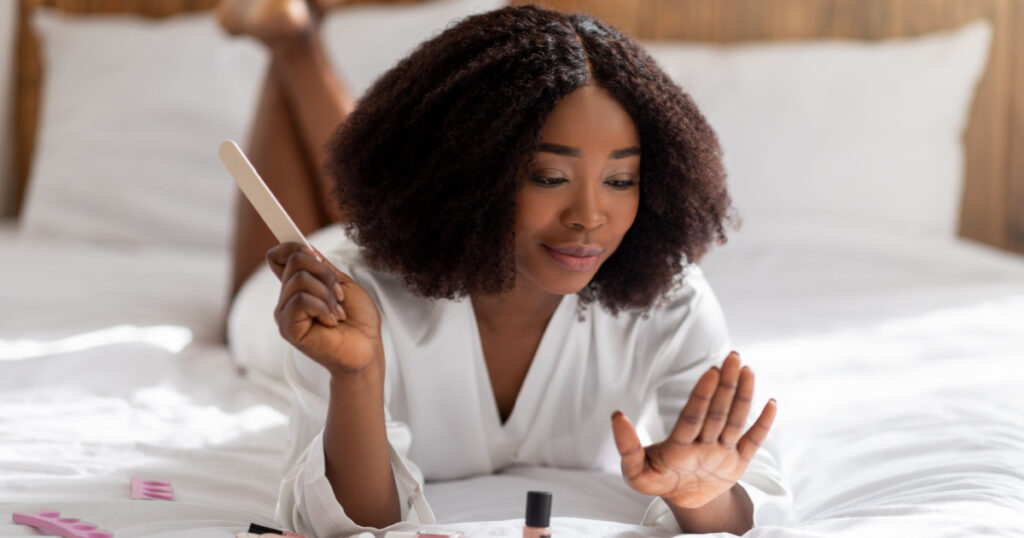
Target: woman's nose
586, 210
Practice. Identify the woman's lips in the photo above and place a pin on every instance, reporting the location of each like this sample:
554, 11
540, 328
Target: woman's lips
575, 257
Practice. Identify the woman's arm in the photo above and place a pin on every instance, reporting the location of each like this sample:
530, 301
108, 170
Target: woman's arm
731, 512
331, 319
356, 448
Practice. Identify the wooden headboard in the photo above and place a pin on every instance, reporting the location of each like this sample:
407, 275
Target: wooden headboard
993, 203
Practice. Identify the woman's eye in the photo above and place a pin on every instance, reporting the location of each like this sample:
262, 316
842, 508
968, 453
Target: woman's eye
621, 182
547, 181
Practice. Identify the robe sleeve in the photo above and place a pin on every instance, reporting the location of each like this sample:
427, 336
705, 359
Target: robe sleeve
691, 336
306, 502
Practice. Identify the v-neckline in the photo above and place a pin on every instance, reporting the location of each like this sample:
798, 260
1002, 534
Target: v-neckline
540, 365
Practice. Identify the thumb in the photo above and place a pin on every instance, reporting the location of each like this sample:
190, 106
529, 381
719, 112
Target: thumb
628, 443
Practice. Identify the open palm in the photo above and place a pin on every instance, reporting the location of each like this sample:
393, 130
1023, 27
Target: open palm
705, 454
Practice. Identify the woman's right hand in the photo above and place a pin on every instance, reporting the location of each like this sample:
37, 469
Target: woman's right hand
323, 312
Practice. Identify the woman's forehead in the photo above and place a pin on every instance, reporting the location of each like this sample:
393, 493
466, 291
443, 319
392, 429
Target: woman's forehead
590, 119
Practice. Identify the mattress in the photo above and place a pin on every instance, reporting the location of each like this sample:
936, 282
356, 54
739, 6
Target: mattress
896, 362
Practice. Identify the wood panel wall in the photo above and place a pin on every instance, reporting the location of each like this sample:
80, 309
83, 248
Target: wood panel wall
993, 203
1015, 145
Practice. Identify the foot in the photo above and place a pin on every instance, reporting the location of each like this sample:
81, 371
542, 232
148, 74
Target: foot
322, 6
266, 20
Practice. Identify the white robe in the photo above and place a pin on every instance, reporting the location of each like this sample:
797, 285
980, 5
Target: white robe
443, 421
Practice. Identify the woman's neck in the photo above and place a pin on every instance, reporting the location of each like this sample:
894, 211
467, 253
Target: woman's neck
523, 308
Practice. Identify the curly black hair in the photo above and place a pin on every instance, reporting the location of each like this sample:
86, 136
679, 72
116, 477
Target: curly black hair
427, 166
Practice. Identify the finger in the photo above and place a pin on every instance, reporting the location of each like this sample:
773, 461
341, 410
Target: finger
740, 408
722, 400
628, 443
305, 282
691, 418
277, 256
303, 260
327, 269
294, 319
315, 252
755, 436
339, 292
342, 278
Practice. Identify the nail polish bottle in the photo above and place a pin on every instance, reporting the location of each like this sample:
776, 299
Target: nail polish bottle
538, 515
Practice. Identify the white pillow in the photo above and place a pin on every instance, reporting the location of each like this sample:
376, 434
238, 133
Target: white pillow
364, 41
132, 112
858, 133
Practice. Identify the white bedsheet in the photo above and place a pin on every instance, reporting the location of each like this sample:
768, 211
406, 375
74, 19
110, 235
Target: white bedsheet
110, 367
897, 367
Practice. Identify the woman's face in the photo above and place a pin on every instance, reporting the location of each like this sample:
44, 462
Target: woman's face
580, 194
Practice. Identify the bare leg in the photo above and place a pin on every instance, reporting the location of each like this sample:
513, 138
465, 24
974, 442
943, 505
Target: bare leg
318, 101
301, 104
276, 151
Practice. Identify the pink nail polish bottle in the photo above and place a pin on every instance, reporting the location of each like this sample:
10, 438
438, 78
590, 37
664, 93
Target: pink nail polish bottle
538, 515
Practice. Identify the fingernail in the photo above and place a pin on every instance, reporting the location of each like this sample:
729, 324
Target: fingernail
772, 400
339, 292
616, 414
341, 312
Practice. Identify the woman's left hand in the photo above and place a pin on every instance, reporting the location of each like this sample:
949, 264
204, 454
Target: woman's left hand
704, 455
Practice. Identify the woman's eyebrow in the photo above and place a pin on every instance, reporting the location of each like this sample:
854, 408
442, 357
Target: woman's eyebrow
559, 149
568, 151
625, 152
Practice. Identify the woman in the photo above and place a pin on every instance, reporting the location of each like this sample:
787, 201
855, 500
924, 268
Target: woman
523, 194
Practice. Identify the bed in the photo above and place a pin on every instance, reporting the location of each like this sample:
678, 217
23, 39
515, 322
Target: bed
890, 328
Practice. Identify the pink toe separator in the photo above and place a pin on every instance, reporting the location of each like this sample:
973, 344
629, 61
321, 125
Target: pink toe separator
50, 522
151, 489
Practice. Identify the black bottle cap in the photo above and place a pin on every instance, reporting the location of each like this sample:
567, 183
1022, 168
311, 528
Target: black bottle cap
538, 509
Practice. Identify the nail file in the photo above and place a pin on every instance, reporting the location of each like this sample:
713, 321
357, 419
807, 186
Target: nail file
256, 191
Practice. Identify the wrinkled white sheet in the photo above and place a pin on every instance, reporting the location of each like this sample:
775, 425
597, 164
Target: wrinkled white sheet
897, 367
111, 367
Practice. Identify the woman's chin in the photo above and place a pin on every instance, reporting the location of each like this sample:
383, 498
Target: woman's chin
568, 286
555, 280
